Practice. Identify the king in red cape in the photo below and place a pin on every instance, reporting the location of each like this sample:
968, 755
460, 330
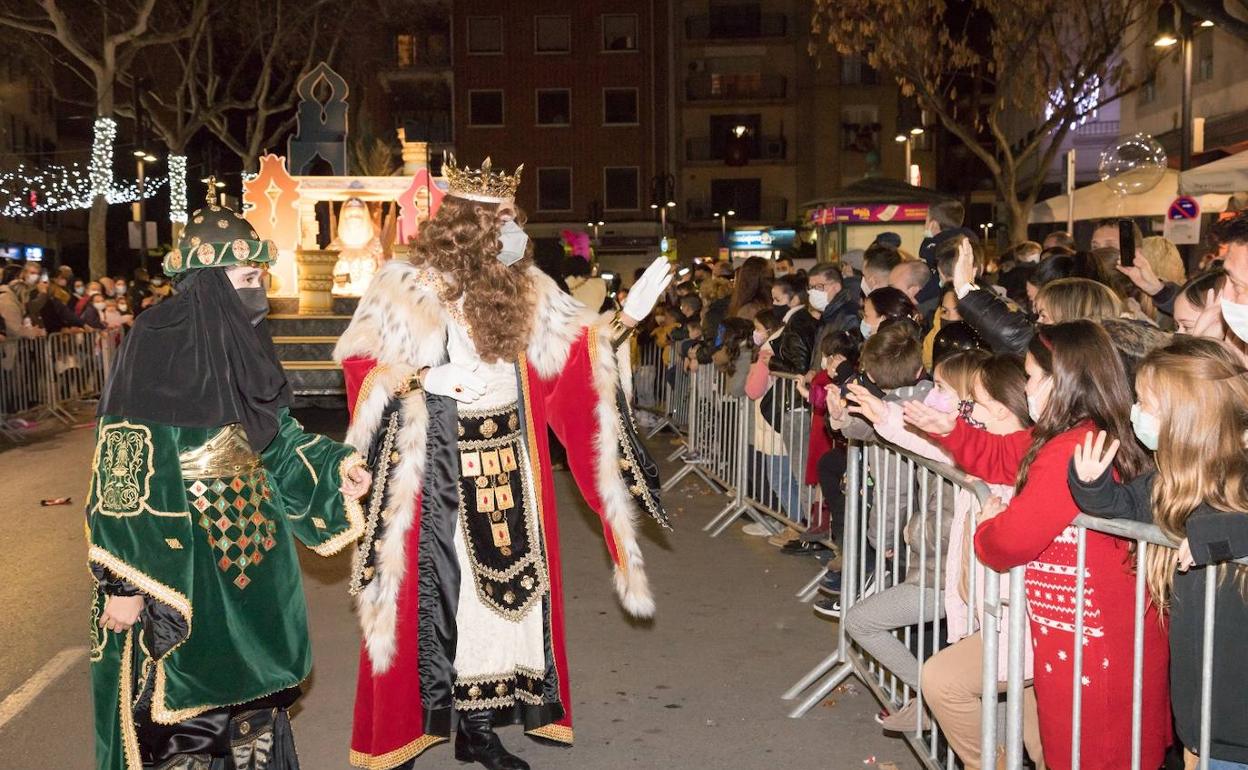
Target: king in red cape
457, 364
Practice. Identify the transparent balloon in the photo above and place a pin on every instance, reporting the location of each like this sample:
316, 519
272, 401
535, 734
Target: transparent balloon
1133, 166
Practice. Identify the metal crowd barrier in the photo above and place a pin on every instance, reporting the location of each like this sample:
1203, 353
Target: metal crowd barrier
661, 388
43, 376
760, 461
867, 570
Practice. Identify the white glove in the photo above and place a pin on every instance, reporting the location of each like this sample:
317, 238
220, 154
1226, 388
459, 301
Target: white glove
647, 290
458, 382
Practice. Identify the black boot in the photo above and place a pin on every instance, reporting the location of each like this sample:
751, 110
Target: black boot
475, 741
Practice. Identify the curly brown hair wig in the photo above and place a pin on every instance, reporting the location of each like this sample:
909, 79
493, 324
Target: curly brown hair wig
461, 241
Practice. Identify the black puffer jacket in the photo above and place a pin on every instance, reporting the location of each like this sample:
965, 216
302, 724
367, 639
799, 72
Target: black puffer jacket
794, 345
1006, 327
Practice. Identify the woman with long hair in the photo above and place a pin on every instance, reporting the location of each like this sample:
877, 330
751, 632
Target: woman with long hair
1075, 383
752, 293
1193, 410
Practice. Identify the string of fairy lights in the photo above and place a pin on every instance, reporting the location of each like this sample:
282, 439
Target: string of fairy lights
27, 190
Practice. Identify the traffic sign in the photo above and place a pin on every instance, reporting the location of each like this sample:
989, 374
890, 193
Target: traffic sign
1183, 220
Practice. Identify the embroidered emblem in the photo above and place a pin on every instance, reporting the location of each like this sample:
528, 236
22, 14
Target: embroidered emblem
206, 253
239, 248
513, 422
489, 428
175, 259
174, 543
123, 470
319, 522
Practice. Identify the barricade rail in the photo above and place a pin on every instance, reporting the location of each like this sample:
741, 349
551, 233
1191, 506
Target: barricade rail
888, 488
45, 376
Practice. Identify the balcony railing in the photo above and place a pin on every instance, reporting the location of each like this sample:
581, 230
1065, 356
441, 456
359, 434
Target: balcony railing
711, 86
736, 26
769, 210
765, 148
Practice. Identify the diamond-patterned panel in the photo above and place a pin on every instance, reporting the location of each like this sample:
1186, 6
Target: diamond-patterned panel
237, 528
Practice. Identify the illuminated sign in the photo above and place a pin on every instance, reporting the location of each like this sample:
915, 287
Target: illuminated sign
903, 212
763, 239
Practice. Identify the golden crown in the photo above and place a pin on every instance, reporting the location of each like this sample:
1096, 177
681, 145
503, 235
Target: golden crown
483, 184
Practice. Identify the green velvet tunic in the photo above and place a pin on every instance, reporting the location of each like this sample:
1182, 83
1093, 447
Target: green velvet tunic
219, 552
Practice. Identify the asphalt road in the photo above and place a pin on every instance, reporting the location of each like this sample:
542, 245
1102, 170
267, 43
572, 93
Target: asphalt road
697, 688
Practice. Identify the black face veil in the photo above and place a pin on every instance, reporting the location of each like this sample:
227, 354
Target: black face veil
196, 361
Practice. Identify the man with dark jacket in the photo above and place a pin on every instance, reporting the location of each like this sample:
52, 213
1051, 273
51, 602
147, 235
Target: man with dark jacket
944, 221
794, 345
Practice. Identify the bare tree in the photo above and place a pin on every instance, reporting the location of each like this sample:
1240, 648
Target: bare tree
977, 65
254, 58
99, 42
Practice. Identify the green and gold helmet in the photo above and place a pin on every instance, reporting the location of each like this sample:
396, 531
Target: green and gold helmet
218, 236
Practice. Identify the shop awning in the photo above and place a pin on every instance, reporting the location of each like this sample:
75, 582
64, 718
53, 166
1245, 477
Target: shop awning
1225, 177
1098, 201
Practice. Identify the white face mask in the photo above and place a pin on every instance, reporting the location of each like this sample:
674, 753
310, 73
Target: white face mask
818, 299
1236, 317
759, 338
1146, 426
514, 240
865, 286
866, 329
99, 307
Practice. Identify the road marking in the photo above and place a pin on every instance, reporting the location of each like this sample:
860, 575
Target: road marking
23, 696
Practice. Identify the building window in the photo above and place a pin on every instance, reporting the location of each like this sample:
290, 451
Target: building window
485, 34
619, 107
619, 32
554, 189
1204, 56
860, 128
485, 108
744, 196
623, 188
405, 50
856, 72
552, 34
554, 106
1148, 91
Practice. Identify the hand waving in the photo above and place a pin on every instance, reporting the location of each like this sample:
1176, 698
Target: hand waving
1142, 275
646, 291
927, 419
964, 267
1093, 458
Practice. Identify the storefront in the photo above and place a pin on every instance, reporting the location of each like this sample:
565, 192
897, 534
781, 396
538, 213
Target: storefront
852, 218
765, 242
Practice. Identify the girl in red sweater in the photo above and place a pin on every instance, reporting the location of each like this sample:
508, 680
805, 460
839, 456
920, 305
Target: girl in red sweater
1075, 383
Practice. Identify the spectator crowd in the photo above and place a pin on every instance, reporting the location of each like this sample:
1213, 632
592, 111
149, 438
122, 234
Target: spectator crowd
1068, 380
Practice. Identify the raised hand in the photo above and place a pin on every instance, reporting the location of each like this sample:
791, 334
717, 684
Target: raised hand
646, 291
964, 266
1093, 458
1142, 275
927, 419
865, 403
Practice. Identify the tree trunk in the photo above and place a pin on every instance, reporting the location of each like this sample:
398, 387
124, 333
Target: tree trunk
97, 220
1018, 212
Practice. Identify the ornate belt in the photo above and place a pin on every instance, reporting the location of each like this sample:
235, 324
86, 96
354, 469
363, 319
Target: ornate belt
497, 514
224, 455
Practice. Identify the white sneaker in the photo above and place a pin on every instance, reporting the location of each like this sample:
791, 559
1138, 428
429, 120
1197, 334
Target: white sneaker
757, 530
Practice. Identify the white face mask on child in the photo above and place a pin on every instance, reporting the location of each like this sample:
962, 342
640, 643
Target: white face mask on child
759, 338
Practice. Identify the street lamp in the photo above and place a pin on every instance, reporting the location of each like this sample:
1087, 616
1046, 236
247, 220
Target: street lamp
723, 224
141, 159
1175, 27
907, 138
595, 218
662, 198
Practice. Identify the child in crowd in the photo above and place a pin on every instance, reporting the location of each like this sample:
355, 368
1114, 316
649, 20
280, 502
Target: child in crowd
735, 353
953, 677
1193, 411
892, 362
872, 621
1075, 383
769, 445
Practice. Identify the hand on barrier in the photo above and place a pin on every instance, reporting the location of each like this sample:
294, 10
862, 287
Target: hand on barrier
1093, 458
927, 419
646, 291
992, 508
836, 408
455, 381
863, 402
1184, 556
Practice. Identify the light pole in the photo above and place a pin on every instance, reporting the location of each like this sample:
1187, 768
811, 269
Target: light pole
723, 225
141, 159
662, 198
1174, 26
907, 138
595, 218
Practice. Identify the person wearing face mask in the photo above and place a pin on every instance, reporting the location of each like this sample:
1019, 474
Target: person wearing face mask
783, 267
944, 222
14, 294
456, 365
1190, 412
1075, 384
793, 348
93, 314
201, 484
